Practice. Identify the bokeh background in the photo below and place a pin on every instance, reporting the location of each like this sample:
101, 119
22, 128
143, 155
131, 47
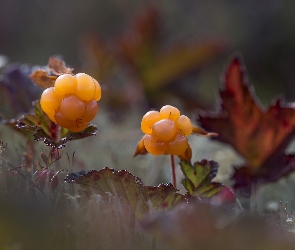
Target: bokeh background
145, 54
264, 32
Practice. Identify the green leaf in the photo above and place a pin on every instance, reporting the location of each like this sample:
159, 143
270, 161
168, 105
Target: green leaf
163, 196
198, 179
128, 188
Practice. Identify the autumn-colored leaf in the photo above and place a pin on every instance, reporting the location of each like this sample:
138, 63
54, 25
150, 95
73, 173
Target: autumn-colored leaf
198, 179
58, 67
260, 135
42, 79
128, 188
200, 131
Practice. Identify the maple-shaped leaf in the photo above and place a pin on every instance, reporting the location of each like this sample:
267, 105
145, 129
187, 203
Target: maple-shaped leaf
259, 134
198, 180
45, 79
128, 188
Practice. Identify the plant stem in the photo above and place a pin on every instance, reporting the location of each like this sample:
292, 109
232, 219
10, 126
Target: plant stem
173, 170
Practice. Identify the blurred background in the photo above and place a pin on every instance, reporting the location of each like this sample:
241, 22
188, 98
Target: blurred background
145, 54
123, 40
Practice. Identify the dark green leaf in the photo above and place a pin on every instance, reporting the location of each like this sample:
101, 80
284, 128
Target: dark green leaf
198, 178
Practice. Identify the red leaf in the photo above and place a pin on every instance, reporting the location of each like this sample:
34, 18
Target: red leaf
259, 135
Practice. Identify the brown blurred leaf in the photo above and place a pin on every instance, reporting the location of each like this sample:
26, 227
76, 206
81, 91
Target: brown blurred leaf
42, 79
58, 67
179, 61
200, 131
259, 135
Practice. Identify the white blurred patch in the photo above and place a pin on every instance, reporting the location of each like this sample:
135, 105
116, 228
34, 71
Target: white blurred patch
3, 60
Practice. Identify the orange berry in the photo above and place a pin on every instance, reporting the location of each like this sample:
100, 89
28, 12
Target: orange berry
169, 112
90, 111
148, 120
62, 121
154, 146
86, 87
97, 94
164, 130
79, 126
50, 100
184, 124
72, 107
178, 145
65, 84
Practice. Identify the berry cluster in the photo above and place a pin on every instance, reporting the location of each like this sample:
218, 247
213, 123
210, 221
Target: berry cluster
72, 102
166, 131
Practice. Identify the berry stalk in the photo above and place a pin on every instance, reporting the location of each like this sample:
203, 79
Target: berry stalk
173, 170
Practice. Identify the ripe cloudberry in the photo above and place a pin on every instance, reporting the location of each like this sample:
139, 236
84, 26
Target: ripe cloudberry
166, 131
72, 102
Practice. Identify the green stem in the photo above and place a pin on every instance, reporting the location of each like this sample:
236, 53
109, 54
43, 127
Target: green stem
173, 170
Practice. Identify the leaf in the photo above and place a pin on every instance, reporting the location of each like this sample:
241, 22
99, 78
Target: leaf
180, 60
47, 131
198, 179
140, 149
36, 121
187, 155
64, 136
42, 79
163, 196
128, 188
259, 135
58, 67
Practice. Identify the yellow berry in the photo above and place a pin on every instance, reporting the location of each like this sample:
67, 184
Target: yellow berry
169, 112
164, 130
97, 94
51, 115
184, 124
72, 107
148, 120
50, 100
90, 111
154, 146
65, 84
178, 145
86, 87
